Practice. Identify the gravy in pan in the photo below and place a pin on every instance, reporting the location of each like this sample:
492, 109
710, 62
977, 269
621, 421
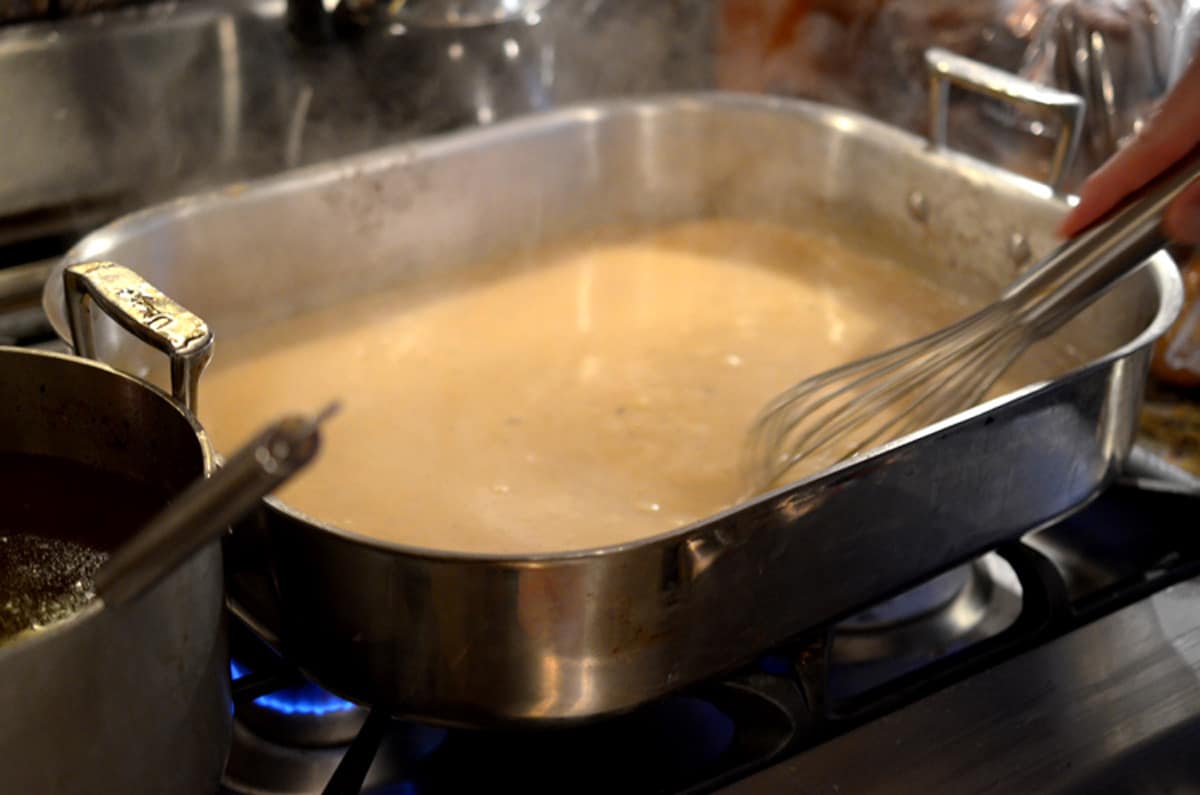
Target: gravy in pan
597, 395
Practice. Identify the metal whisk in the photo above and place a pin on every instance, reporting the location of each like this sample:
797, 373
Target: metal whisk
858, 406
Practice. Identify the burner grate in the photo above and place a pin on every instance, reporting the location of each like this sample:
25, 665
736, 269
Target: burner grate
1126, 545
676, 745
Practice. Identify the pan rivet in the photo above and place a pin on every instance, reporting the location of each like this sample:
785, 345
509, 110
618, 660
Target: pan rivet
918, 206
1018, 249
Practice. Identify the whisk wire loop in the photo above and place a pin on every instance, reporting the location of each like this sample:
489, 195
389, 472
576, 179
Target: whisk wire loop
852, 408
818, 412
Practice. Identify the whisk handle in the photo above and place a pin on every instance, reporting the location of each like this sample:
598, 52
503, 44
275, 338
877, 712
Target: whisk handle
1082, 269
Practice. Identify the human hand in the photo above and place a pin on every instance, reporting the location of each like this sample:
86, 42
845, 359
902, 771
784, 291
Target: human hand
1170, 133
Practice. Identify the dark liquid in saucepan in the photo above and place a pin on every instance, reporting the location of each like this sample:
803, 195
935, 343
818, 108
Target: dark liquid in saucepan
59, 521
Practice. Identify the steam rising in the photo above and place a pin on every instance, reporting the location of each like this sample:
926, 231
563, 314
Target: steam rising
150, 103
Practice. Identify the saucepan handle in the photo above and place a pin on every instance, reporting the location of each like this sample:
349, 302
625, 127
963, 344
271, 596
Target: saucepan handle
144, 311
946, 69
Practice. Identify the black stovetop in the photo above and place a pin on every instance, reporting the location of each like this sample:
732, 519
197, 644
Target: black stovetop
803, 701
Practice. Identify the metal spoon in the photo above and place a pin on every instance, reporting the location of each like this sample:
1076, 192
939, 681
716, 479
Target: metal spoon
50, 580
206, 508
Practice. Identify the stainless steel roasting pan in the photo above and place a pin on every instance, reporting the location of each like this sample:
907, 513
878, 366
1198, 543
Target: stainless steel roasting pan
478, 640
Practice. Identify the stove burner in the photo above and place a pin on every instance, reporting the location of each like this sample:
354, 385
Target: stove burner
926, 598
932, 621
308, 699
671, 745
821, 686
934, 618
674, 745
303, 715
260, 766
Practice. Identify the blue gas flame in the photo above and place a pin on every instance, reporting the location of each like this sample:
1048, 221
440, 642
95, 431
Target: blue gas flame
307, 699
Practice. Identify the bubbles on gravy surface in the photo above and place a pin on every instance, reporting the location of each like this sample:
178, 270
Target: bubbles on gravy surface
590, 393
43, 581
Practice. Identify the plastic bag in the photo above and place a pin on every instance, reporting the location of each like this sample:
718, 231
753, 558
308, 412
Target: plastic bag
868, 55
1119, 55
862, 54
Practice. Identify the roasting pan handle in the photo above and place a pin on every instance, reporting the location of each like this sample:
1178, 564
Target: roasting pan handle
142, 310
945, 68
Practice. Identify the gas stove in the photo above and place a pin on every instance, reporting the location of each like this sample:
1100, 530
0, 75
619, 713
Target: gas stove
1068, 661
1089, 629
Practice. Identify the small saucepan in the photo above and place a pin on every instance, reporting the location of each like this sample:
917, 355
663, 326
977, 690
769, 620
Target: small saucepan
126, 698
